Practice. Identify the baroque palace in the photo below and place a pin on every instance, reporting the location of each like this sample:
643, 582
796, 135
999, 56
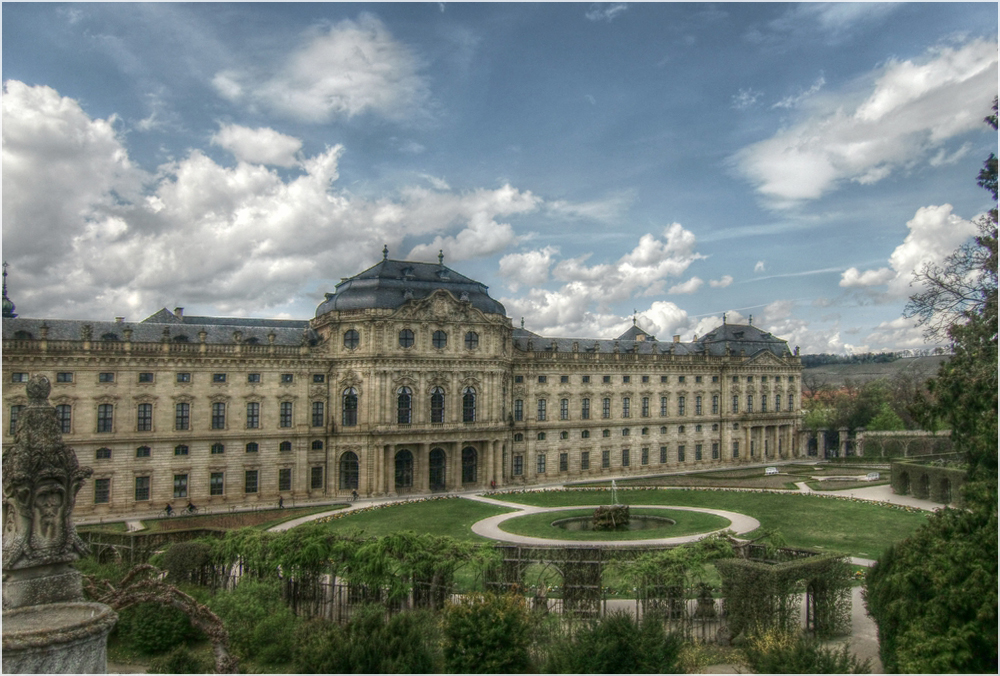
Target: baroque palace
410, 379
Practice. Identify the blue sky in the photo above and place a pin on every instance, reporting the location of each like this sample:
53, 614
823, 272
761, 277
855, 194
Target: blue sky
586, 161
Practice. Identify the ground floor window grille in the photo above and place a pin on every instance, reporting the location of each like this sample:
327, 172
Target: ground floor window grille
216, 483
250, 483
180, 485
102, 491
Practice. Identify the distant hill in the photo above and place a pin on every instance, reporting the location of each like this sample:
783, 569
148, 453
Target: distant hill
836, 374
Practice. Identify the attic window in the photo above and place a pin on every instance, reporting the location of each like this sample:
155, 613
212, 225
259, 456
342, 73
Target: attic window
23, 335
252, 341
180, 338
109, 336
738, 334
407, 272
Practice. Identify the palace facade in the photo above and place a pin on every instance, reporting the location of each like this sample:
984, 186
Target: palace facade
410, 379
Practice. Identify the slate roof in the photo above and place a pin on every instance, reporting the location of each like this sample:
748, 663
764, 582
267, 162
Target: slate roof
391, 283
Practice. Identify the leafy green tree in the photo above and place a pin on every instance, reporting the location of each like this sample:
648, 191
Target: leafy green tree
261, 627
487, 634
886, 419
617, 644
934, 595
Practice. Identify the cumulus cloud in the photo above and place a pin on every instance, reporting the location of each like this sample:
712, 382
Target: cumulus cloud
690, 286
353, 68
605, 11
258, 146
722, 283
760, 266
897, 334
934, 232
233, 240
528, 269
911, 110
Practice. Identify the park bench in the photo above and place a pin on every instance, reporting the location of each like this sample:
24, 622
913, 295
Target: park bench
768, 471
872, 476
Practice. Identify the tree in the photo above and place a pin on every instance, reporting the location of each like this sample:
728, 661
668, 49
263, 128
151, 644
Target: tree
487, 634
886, 420
934, 595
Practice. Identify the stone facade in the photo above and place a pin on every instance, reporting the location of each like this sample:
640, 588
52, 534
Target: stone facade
410, 379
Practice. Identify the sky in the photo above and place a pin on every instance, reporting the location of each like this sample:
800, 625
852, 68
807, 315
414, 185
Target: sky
593, 164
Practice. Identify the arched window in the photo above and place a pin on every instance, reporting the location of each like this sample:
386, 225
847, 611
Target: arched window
404, 470
518, 436
406, 338
471, 340
437, 405
469, 465
350, 407
109, 336
404, 406
142, 452
351, 339
285, 446
440, 339
180, 338
469, 404
349, 471
317, 445
252, 447
436, 469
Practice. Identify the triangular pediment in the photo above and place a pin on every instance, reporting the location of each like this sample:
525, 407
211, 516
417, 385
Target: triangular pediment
765, 358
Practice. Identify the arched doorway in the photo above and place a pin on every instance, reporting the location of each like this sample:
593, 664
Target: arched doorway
436, 469
404, 471
904, 483
469, 465
923, 489
944, 492
349, 471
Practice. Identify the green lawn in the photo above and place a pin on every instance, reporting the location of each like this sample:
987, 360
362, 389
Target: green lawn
851, 527
453, 517
539, 525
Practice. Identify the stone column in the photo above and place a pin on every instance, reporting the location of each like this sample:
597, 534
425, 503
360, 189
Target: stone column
48, 627
421, 464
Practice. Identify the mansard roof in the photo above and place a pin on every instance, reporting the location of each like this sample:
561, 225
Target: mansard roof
391, 283
743, 337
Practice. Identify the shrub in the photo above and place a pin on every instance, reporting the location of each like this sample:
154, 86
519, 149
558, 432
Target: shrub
406, 643
777, 652
487, 634
180, 660
617, 644
261, 627
184, 559
152, 628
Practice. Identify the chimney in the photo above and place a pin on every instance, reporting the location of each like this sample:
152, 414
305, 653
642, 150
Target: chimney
179, 312
677, 337
119, 320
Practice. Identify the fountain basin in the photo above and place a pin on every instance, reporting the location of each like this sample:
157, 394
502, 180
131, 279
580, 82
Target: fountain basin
636, 522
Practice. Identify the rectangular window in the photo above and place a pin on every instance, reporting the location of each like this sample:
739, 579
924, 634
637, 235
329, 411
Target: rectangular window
791, 402
182, 416
605, 459
518, 379
221, 377
105, 377
19, 377
541, 409
585, 409
285, 479
64, 377
105, 417
645, 407
626, 407
645, 379
697, 405
663, 407
697, 452
102, 491
219, 415
763, 403
518, 410
585, 460
542, 379
184, 377
564, 409
218, 449
142, 488
253, 377
680, 453
217, 483
319, 378
586, 379
143, 452
253, 415
715, 379
749, 403
563, 379
64, 414
625, 457
663, 379
697, 379
606, 379
518, 465
663, 454
606, 408
146, 377
736, 403
626, 431
626, 379
645, 456
285, 416
715, 450
287, 377
316, 477
680, 405
250, 481
564, 462
777, 403
540, 464
144, 418
680, 379
318, 414
180, 485
736, 449
180, 450
715, 404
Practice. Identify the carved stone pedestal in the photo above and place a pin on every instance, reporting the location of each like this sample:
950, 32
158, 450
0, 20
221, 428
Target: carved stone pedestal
57, 638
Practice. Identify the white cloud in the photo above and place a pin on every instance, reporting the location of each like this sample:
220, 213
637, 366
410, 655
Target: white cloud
354, 68
934, 232
912, 109
897, 334
605, 11
528, 269
793, 100
722, 283
759, 266
258, 146
608, 210
690, 286
746, 98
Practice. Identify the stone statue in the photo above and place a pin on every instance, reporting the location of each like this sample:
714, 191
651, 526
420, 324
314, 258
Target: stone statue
41, 477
